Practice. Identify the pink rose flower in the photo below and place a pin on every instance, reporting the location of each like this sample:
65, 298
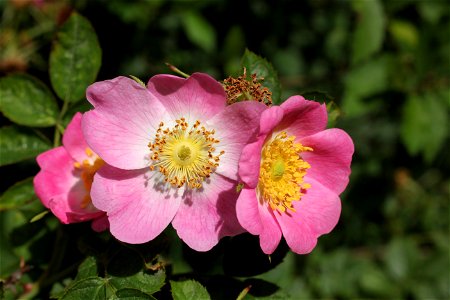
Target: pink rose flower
64, 181
293, 174
173, 150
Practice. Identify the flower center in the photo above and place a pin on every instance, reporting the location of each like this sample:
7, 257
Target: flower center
282, 171
88, 169
184, 154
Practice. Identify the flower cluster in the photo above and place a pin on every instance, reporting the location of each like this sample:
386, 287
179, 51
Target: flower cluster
174, 151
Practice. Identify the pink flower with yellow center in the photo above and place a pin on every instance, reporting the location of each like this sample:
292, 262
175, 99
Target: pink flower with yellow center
172, 150
64, 182
293, 174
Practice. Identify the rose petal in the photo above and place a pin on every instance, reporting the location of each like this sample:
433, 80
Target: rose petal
270, 236
234, 127
330, 159
100, 224
125, 119
59, 187
317, 213
56, 175
270, 118
250, 159
73, 139
248, 211
208, 214
302, 117
198, 97
138, 206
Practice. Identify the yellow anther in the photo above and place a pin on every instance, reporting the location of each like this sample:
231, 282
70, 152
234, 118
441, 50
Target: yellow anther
88, 169
184, 154
282, 171
89, 152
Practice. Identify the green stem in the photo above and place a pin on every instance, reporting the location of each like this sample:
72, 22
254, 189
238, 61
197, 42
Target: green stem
58, 126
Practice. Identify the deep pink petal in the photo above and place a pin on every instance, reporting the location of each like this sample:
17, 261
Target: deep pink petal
317, 213
270, 118
250, 159
270, 236
248, 212
101, 223
330, 159
209, 214
250, 162
137, 205
303, 117
56, 176
59, 187
198, 97
235, 126
73, 139
125, 119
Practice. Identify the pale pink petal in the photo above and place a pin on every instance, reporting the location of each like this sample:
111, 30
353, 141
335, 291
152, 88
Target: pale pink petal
317, 213
248, 212
234, 127
330, 159
303, 117
138, 206
100, 224
207, 215
270, 236
199, 96
125, 119
73, 139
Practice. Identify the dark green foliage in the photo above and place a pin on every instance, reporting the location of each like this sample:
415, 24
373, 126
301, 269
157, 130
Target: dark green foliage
381, 67
75, 59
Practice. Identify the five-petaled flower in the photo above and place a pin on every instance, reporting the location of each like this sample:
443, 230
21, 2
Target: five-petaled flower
172, 152
293, 174
64, 182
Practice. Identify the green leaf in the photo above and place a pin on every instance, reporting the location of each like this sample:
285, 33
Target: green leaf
263, 69
199, 31
189, 289
369, 32
18, 194
88, 268
404, 33
364, 81
132, 295
424, 124
75, 59
19, 143
88, 286
141, 281
27, 101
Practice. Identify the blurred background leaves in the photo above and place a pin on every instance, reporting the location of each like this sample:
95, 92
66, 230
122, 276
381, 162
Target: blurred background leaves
385, 65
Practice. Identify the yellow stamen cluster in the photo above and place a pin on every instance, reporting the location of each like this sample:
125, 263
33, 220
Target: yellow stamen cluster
282, 171
88, 169
184, 154
243, 88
